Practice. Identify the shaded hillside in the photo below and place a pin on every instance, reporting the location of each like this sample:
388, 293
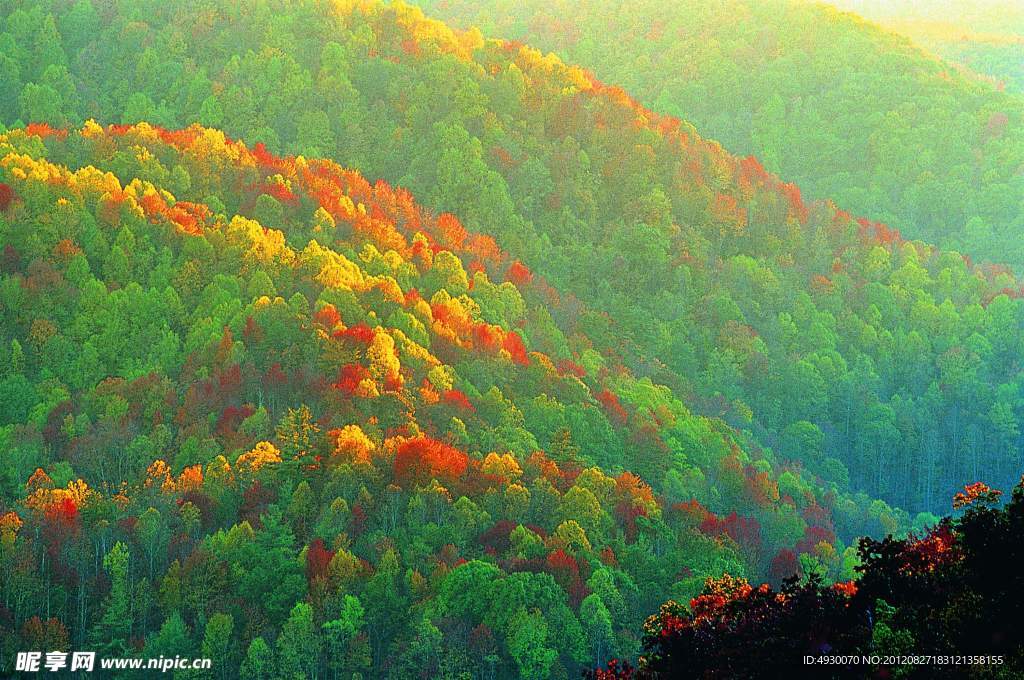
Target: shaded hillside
956, 586
843, 108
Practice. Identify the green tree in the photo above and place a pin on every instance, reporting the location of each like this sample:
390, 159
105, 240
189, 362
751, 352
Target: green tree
597, 624
259, 663
217, 644
154, 536
340, 634
527, 644
171, 640
112, 632
41, 104
10, 88
385, 605
298, 646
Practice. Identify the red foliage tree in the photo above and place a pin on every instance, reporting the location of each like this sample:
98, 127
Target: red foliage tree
349, 377
327, 316
49, 634
255, 500
746, 531
817, 515
231, 417
613, 406
280, 192
627, 513
784, 565
458, 399
230, 381
936, 548
359, 519
513, 344
496, 539
486, 337
692, 510
275, 376
813, 535
563, 567
62, 524
796, 202
153, 205
10, 259
253, 332
266, 159
318, 560
451, 230
979, 492
519, 274
567, 367
760, 487
190, 217
360, 333
45, 130
421, 459
997, 124
482, 642
6, 197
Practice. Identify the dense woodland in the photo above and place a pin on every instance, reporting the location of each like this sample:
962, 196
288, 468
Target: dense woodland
430, 355
956, 587
841, 107
336, 444
883, 366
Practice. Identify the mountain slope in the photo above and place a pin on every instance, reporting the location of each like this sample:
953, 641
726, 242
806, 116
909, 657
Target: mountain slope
293, 406
832, 340
841, 107
325, 398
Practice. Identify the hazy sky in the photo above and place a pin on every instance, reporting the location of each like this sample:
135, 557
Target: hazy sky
979, 15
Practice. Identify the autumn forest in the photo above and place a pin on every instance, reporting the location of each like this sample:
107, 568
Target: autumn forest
495, 340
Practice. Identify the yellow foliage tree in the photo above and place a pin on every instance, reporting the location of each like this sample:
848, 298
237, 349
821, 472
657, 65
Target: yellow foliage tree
383, 356
263, 454
351, 444
503, 465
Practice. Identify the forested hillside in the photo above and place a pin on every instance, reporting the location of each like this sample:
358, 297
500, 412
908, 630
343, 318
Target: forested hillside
888, 366
310, 437
336, 341
841, 107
